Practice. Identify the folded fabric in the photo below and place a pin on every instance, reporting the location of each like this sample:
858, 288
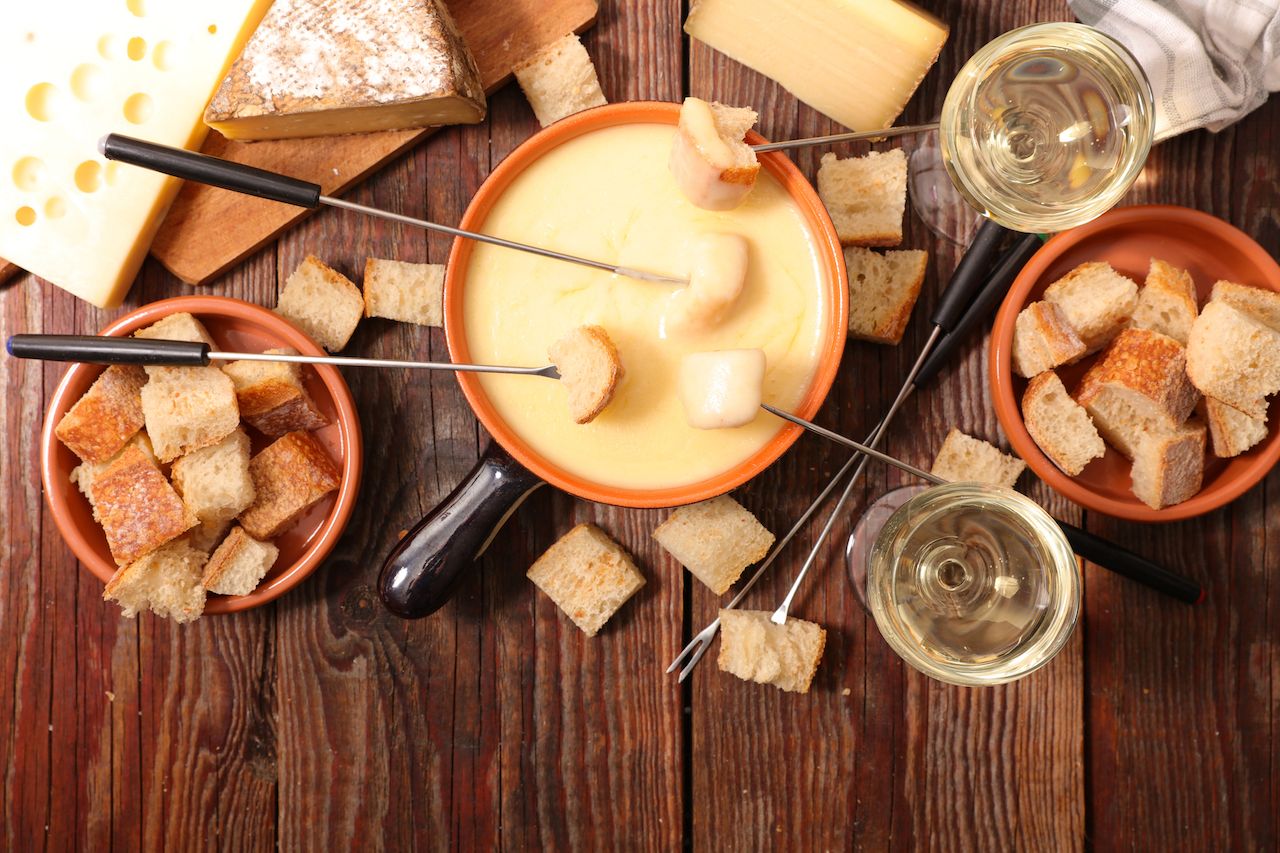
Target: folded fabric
1210, 62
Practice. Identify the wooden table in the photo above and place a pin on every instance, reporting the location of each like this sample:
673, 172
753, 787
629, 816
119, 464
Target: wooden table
322, 722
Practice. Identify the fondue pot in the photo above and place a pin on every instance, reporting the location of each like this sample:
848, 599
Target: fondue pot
420, 574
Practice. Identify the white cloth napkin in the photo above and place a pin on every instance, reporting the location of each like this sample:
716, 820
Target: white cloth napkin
1210, 61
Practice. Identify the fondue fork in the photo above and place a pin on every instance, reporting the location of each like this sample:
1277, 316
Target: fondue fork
94, 349
237, 177
887, 133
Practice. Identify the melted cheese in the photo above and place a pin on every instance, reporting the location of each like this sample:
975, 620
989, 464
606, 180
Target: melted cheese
609, 195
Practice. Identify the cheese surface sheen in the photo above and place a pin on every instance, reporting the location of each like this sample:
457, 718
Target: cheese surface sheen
609, 195
76, 70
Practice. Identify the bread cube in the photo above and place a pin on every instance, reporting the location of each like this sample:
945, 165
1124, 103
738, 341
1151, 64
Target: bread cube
1167, 302
206, 535
963, 458
1234, 358
755, 649
177, 327
560, 80
138, 510
590, 370
165, 581
271, 395
214, 481
715, 540
289, 476
107, 416
1059, 425
866, 196
1096, 300
322, 302
1043, 340
1168, 467
1233, 431
883, 288
587, 575
712, 164
410, 293
1259, 303
187, 408
239, 564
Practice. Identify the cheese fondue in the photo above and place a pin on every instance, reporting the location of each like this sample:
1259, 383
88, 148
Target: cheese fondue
608, 194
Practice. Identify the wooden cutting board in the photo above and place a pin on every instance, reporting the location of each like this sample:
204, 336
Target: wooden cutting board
208, 230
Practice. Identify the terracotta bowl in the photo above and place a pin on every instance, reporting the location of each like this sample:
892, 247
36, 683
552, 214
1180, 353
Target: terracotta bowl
833, 273
241, 327
1128, 238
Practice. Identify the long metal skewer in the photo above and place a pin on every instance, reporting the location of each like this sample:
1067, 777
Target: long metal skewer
887, 133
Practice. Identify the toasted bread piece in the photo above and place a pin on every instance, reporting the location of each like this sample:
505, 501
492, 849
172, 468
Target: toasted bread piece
1234, 358
1233, 431
84, 473
207, 535
1139, 385
590, 370
1259, 303
1043, 340
187, 408
712, 165
1059, 425
179, 326
271, 395
1168, 467
410, 293
587, 575
963, 458
755, 649
865, 196
107, 416
715, 540
166, 581
883, 288
1167, 302
560, 80
214, 481
239, 564
1096, 300
138, 510
289, 476
322, 302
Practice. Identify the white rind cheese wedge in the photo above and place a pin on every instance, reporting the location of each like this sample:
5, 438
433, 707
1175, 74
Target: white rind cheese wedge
712, 165
717, 274
348, 66
857, 61
76, 70
722, 389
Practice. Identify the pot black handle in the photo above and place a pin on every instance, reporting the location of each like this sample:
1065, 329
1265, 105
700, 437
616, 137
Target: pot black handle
1124, 562
103, 349
420, 574
203, 169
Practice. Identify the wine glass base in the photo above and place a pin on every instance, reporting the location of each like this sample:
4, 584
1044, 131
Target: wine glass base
934, 197
857, 552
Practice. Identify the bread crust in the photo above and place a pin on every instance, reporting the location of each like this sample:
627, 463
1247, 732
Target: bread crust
588, 404
1149, 364
137, 507
289, 476
107, 416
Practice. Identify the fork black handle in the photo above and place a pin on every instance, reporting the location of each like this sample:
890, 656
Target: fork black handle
1124, 562
969, 275
101, 349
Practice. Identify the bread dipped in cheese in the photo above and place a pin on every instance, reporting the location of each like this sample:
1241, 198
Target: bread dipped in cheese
717, 274
713, 167
722, 389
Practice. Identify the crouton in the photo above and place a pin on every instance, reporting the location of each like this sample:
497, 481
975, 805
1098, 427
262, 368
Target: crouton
714, 168
239, 564
1259, 303
755, 649
187, 408
883, 288
866, 197
1059, 425
587, 575
214, 481
1167, 302
166, 581
590, 370
179, 326
272, 397
138, 510
715, 540
1233, 431
410, 293
1168, 467
289, 476
107, 416
560, 80
1096, 300
1234, 358
963, 458
322, 302
1043, 340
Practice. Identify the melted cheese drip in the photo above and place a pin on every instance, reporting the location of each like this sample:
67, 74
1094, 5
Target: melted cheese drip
609, 195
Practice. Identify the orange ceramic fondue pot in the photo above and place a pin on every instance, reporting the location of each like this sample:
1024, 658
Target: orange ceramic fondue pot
419, 574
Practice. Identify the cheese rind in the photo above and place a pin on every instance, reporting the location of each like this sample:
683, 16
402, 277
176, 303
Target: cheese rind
857, 61
348, 66
74, 72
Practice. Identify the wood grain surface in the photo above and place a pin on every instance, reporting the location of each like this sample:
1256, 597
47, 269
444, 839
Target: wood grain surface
321, 722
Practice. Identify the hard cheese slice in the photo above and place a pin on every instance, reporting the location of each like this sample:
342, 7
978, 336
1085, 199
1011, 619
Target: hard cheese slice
857, 61
349, 66
76, 70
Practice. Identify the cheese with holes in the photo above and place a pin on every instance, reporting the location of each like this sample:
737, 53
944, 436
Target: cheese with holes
75, 70
857, 61
348, 66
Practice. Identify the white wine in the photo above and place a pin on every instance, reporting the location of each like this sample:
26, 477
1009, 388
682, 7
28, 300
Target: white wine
1047, 127
973, 584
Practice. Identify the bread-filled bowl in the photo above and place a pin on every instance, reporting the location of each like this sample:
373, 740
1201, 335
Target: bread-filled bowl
597, 184
1207, 248
234, 326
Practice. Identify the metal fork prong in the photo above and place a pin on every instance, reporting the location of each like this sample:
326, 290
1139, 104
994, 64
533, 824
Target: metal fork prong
702, 639
702, 650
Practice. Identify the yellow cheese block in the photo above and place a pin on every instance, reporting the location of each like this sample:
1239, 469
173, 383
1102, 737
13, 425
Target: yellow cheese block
74, 71
857, 61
